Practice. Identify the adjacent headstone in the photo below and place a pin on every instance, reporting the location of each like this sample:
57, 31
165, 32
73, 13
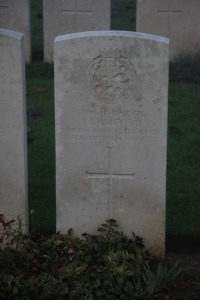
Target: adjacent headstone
13, 174
15, 15
111, 132
176, 19
68, 16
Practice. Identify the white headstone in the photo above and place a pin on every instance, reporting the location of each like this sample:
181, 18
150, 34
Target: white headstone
68, 16
13, 164
15, 15
176, 19
111, 132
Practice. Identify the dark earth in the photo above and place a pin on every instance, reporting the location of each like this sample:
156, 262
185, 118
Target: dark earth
187, 285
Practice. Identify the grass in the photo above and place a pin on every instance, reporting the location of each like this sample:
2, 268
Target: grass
186, 67
37, 29
123, 16
183, 185
41, 150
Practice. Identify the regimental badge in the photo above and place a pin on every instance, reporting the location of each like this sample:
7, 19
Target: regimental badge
111, 77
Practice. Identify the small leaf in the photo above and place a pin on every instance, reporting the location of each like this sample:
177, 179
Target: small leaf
97, 284
15, 290
80, 269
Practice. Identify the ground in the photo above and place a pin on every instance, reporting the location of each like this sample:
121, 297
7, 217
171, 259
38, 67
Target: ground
187, 284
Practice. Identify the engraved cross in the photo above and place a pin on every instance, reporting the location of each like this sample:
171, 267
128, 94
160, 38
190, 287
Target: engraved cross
110, 176
76, 12
169, 13
3, 5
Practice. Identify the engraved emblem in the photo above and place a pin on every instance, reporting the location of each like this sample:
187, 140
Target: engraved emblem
110, 77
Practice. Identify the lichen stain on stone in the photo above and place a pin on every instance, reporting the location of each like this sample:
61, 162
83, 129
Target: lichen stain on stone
156, 101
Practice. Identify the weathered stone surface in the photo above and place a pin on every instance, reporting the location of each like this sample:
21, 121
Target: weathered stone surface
68, 16
176, 19
111, 132
15, 15
13, 164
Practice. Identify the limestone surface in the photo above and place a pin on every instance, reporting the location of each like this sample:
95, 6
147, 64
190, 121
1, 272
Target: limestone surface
13, 157
176, 19
68, 16
111, 91
15, 15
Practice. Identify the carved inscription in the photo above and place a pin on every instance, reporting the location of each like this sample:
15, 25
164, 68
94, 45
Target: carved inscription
111, 134
116, 126
114, 118
110, 77
7, 129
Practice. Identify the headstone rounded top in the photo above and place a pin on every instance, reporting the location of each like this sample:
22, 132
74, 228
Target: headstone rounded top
113, 33
11, 33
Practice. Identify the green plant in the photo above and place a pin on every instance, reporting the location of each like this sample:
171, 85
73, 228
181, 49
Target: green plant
11, 232
108, 265
155, 281
185, 67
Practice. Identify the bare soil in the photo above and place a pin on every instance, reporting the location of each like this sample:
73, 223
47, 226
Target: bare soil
187, 284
